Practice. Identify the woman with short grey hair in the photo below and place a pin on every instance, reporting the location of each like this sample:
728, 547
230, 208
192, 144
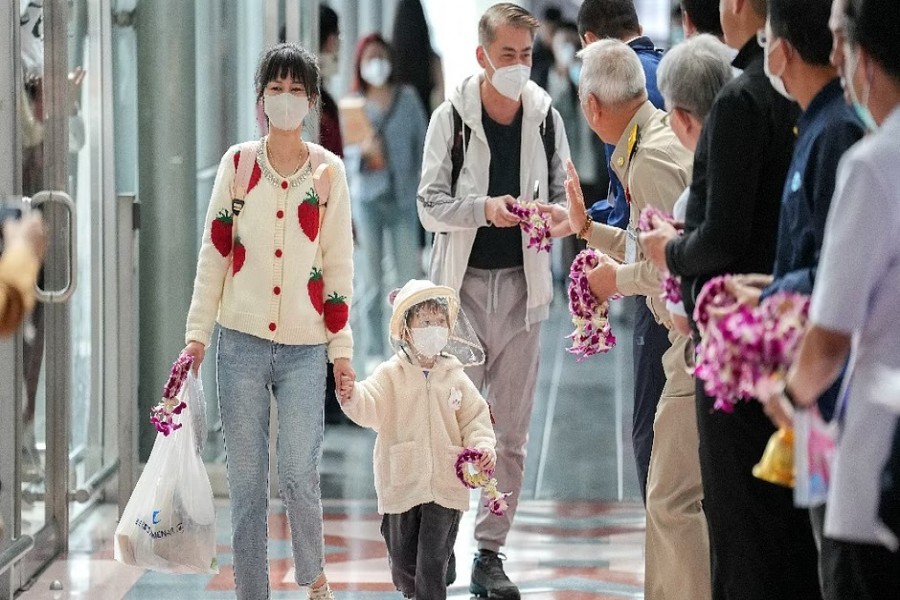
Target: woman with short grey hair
691, 74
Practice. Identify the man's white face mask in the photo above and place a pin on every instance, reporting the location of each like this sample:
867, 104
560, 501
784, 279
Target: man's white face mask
511, 80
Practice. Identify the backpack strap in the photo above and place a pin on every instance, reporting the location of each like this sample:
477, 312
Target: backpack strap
321, 177
548, 137
244, 171
461, 135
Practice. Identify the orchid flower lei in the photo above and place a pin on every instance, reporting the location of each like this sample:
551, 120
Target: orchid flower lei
162, 414
671, 286
534, 223
745, 351
593, 334
472, 477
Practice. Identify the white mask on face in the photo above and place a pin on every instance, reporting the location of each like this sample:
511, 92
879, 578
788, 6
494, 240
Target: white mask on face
776, 80
511, 80
286, 111
375, 71
429, 341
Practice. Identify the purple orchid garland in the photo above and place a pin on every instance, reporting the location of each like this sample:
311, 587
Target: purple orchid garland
745, 351
476, 478
671, 285
162, 415
534, 223
593, 334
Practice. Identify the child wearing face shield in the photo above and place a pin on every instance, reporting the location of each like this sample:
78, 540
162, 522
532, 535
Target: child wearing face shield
426, 411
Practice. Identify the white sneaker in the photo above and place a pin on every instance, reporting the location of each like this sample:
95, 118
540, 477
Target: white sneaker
320, 593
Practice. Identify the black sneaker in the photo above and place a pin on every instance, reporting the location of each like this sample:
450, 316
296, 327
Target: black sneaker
488, 578
451, 569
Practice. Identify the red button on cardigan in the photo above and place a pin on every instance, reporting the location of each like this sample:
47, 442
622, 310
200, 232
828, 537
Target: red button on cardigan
276, 290
284, 185
278, 253
280, 214
272, 326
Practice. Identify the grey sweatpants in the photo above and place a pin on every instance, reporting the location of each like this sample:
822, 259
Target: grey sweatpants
495, 302
419, 542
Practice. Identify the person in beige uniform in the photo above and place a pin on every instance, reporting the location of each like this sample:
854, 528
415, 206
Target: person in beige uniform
655, 168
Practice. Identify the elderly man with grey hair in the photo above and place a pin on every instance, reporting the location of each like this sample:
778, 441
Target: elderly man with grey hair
654, 168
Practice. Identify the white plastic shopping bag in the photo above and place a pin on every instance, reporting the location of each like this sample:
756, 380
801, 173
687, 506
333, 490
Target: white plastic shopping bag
169, 523
814, 447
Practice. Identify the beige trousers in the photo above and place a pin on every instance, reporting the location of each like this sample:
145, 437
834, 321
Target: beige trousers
677, 559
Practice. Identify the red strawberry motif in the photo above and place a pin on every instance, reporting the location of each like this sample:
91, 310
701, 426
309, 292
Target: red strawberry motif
220, 231
315, 287
240, 254
308, 214
336, 312
255, 174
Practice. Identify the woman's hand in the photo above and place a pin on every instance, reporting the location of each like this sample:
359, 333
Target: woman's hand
344, 378
779, 411
653, 243
488, 460
575, 198
197, 351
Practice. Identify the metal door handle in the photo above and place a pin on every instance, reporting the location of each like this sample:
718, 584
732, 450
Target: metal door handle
61, 295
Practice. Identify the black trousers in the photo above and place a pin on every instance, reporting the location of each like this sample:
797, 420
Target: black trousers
762, 546
651, 340
860, 571
419, 542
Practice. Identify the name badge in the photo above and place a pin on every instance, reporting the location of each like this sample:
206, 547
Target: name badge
631, 246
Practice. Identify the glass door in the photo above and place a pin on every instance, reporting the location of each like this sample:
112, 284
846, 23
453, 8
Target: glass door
61, 375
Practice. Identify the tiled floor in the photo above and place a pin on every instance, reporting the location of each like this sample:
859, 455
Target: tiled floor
578, 534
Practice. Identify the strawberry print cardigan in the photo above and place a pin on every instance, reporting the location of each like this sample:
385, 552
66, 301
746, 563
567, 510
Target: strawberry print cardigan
278, 270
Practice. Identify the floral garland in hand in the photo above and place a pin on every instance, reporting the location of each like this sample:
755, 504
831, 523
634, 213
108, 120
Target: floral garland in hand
162, 415
593, 334
534, 223
745, 351
671, 286
473, 477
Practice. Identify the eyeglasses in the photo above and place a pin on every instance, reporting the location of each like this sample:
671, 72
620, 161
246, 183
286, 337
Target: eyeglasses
667, 119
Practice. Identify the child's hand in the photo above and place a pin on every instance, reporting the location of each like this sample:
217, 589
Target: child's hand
346, 388
488, 460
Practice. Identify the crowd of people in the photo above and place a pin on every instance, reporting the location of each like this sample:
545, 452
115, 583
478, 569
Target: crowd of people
767, 133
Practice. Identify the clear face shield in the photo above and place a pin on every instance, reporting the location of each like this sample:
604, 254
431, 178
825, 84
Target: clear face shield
434, 327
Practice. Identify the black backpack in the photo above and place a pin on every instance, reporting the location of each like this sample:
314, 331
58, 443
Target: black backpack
462, 133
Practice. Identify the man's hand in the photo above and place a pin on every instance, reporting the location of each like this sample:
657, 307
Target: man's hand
747, 288
559, 219
602, 279
653, 243
779, 411
344, 375
496, 211
575, 197
198, 351
29, 232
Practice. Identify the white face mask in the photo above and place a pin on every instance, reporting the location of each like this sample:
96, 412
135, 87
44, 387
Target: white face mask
860, 106
328, 64
375, 71
429, 341
511, 80
286, 111
776, 80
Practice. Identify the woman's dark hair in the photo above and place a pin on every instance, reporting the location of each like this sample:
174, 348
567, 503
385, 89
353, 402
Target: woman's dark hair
328, 24
804, 24
359, 84
411, 42
288, 60
704, 15
873, 25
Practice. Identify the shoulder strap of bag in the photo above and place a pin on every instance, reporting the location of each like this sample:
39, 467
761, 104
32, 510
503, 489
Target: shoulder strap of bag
246, 160
321, 177
461, 135
548, 137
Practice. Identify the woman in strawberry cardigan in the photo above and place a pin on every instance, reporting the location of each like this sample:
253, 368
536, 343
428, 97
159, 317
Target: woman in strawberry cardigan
275, 271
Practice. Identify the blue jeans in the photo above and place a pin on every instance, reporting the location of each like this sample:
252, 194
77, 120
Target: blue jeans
247, 368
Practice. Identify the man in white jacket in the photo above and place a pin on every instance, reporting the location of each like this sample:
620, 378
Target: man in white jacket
495, 141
